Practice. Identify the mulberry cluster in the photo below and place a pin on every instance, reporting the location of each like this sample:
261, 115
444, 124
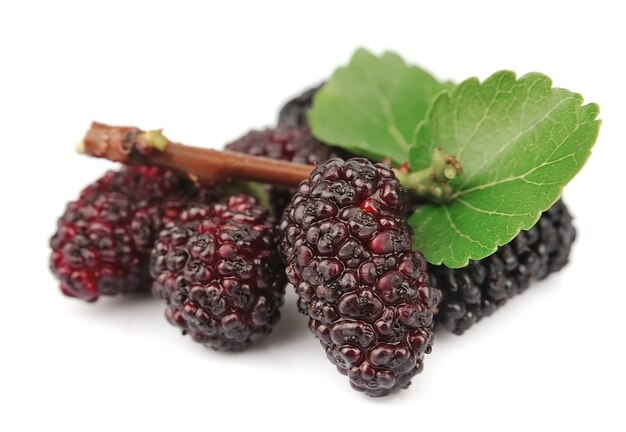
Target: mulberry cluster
348, 252
220, 262
103, 239
219, 273
477, 290
287, 144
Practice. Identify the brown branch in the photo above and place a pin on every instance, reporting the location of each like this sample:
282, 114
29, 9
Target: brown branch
132, 146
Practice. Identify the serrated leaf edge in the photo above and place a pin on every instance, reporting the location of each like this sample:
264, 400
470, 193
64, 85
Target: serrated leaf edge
355, 146
449, 94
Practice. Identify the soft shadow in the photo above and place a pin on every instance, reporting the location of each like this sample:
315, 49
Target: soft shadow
128, 301
291, 327
113, 308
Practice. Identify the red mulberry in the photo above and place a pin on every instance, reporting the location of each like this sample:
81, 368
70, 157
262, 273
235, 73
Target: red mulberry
103, 239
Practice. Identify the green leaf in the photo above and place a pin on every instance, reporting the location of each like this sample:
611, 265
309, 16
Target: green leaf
373, 106
519, 141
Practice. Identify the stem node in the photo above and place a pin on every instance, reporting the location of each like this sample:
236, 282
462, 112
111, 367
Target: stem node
432, 183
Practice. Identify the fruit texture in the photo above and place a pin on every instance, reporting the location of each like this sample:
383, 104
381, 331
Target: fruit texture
477, 290
103, 239
348, 253
219, 273
287, 144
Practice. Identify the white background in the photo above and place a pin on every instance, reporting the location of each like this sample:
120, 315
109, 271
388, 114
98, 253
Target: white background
552, 358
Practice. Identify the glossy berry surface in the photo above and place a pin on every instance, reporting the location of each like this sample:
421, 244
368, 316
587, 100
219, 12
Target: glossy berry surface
103, 239
477, 290
287, 144
219, 273
367, 295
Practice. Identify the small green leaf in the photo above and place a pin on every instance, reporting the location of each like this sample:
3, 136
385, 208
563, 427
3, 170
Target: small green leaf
519, 142
373, 106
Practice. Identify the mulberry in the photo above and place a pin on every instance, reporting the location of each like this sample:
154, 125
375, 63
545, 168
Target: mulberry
103, 239
477, 290
219, 273
348, 252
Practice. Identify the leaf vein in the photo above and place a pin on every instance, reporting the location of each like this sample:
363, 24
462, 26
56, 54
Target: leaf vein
530, 129
458, 231
480, 122
491, 212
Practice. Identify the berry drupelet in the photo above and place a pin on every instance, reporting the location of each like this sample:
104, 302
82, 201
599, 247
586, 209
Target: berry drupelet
348, 253
287, 144
103, 239
477, 290
219, 273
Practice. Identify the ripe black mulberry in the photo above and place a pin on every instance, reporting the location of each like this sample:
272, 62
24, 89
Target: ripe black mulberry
219, 272
348, 252
477, 290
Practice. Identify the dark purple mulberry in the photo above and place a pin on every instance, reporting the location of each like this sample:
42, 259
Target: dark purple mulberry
287, 144
219, 273
348, 252
477, 290
103, 239
294, 113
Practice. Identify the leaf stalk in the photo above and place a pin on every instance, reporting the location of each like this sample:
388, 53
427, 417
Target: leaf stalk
432, 183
